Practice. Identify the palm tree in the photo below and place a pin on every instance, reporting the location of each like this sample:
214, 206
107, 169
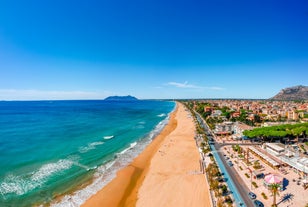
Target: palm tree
275, 191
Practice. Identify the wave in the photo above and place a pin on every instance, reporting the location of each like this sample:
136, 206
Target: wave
105, 173
108, 137
89, 147
161, 115
128, 148
22, 184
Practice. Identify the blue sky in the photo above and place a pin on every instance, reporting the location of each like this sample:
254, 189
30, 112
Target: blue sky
151, 49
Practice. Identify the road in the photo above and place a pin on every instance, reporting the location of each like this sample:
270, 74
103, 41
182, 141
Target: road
239, 184
237, 180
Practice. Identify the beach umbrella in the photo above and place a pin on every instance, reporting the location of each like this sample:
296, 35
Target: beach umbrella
272, 178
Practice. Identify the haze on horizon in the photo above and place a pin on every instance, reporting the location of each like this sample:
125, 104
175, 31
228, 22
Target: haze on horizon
151, 49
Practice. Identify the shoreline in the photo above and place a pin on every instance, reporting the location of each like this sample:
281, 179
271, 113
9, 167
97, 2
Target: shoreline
169, 162
122, 191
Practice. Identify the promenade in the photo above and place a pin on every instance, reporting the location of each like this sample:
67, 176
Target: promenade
292, 182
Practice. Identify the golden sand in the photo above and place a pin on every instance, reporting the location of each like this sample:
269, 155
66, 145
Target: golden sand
166, 173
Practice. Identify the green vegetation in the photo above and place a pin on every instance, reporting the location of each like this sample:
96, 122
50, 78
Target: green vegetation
248, 176
213, 176
224, 189
255, 184
199, 107
257, 165
275, 191
264, 196
228, 200
226, 114
266, 133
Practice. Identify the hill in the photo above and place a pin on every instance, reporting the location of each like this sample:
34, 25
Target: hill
292, 93
121, 98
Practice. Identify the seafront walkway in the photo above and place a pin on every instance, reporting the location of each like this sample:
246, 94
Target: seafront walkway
239, 192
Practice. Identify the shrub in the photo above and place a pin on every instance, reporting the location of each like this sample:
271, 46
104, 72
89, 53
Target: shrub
255, 184
264, 196
257, 165
228, 200
247, 175
224, 189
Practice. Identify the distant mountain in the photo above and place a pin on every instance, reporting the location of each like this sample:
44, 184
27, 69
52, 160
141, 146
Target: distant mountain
121, 98
293, 93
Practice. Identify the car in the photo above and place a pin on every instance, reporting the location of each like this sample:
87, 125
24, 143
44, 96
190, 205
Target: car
258, 203
252, 195
230, 163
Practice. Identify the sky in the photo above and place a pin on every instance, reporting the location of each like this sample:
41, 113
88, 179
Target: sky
151, 49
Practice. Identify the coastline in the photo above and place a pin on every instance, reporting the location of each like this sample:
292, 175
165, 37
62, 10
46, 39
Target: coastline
123, 189
170, 161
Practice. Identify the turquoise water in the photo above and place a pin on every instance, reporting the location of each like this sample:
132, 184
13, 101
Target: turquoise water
50, 148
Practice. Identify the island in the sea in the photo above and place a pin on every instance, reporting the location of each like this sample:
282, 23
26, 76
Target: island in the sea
121, 98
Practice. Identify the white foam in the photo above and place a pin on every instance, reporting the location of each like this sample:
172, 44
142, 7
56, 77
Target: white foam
128, 148
51, 168
108, 137
133, 144
22, 184
89, 147
161, 115
105, 173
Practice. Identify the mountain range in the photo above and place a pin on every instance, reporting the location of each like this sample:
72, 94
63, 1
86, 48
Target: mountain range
299, 92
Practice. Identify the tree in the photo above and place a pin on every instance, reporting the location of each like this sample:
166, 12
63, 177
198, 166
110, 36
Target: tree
274, 188
257, 118
220, 202
257, 165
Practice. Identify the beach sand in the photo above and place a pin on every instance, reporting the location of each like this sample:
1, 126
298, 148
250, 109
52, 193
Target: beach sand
166, 173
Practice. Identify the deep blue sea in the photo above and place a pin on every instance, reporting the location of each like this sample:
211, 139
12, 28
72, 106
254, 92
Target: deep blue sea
62, 152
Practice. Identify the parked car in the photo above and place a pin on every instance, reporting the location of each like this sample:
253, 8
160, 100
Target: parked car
230, 163
258, 203
252, 195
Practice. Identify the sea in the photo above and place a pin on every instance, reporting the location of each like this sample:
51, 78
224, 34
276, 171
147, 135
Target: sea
59, 153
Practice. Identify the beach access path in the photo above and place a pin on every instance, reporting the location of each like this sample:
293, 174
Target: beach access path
166, 173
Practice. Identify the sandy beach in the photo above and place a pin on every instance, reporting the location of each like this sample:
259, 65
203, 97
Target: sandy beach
166, 173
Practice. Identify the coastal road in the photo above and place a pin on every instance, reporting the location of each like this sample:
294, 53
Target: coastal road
237, 180
234, 176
